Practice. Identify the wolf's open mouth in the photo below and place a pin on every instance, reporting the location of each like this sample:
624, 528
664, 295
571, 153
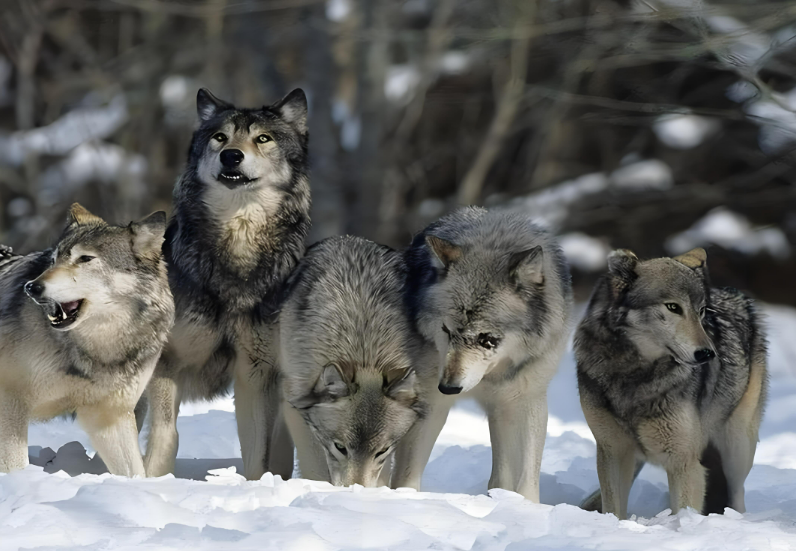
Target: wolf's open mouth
233, 177
62, 314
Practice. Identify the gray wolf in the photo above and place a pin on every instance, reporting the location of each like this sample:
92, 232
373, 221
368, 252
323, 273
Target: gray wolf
241, 214
492, 292
89, 339
350, 361
673, 372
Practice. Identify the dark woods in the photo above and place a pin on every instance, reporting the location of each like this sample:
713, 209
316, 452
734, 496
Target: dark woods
621, 124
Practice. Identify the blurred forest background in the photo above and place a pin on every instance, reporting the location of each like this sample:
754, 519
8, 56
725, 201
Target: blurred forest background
655, 125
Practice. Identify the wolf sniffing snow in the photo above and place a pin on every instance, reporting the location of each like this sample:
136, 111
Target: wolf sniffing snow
241, 214
673, 372
353, 365
88, 340
492, 291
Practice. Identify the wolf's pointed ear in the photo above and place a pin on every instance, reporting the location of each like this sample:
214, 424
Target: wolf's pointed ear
401, 387
622, 266
207, 105
622, 263
526, 268
293, 110
331, 385
78, 215
148, 234
445, 252
694, 259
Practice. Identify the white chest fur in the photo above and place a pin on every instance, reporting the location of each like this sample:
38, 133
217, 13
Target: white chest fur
242, 216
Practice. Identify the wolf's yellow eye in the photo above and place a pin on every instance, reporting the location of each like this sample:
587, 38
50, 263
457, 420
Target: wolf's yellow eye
220, 137
341, 448
674, 308
85, 258
263, 138
382, 452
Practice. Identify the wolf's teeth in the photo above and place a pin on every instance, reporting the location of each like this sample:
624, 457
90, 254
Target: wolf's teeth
63, 314
52, 318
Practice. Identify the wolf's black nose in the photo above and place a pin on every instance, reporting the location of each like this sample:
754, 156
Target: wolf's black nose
231, 158
704, 355
449, 389
34, 289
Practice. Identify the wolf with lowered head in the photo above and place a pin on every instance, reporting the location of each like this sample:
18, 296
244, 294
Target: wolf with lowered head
492, 292
350, 358
86, 338
241, 214
671, 371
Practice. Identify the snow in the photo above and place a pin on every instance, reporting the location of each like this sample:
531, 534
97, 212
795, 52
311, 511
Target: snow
74, 128
777, 119
650, 174
684, 131
89, 511
731, 231
105, 163
584, 252
338, 10
400, 82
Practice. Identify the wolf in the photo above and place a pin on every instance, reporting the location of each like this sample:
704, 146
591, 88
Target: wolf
88, 341
353, 367
241, 215
491, 291
671, 371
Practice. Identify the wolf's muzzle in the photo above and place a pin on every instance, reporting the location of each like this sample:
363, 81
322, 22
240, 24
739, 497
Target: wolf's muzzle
231, 158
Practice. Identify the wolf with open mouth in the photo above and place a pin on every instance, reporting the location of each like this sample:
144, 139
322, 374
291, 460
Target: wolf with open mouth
88, 341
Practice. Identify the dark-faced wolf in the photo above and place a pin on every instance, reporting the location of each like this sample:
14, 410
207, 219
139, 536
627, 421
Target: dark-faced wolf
353, 365
492, 292
88, 341
673, 372
241, 214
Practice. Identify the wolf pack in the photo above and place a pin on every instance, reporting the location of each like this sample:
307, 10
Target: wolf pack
352, 353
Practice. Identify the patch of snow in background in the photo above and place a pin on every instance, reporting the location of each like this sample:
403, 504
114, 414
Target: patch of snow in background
584, 252
777, 120
338, 10
685, 131
105, 163
741, 91
550, 206
731, 231
650, 174
400, 82
454, 62
350, 125
74, 128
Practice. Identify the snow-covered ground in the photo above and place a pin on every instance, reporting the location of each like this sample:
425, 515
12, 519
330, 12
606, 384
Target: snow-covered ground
56, 511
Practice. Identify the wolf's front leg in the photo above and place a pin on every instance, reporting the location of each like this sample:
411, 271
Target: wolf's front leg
616, 457
686, 483
114, 435
517, 429
414, 449
164, 406
257, 405
13, 432
311, 457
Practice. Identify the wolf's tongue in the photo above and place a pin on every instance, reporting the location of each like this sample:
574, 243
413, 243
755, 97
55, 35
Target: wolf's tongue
69, 308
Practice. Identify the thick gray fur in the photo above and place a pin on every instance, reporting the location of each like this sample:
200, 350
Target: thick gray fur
650, 392
491, 291
352, 362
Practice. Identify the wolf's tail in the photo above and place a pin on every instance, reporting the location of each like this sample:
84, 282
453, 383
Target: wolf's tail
595, 501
